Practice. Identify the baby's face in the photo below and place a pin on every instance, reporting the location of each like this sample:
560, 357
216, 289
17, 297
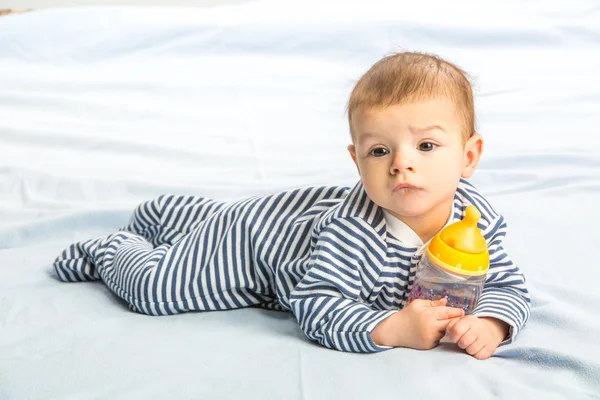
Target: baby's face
411, 157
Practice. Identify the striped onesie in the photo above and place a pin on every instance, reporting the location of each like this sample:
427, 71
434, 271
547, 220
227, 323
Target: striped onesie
324, 253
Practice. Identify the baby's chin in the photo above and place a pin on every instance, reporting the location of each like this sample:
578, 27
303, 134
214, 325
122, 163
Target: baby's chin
406, 213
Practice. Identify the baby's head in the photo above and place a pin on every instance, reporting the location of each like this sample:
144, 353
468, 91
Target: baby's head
413, 134
410, 77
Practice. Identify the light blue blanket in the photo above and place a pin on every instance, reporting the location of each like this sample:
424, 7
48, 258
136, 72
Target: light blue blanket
103, 107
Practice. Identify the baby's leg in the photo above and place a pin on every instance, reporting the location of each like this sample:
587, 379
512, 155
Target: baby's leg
129, 265
76, 262
211, 267
168, 218
125, 261
164, 220
167, 279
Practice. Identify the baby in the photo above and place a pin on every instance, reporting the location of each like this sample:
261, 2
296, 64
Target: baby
342, 260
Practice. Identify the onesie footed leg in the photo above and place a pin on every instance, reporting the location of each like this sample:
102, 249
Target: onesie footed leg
77, 262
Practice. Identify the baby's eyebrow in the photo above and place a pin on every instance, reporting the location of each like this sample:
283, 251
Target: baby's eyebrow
367, 135
427, 128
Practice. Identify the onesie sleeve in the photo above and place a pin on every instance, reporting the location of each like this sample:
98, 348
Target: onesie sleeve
329, 301
504, 295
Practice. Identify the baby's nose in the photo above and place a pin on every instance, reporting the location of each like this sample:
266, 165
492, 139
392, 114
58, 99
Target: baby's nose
401, 162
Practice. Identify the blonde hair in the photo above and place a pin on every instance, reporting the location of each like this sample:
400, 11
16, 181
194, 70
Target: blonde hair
410, 77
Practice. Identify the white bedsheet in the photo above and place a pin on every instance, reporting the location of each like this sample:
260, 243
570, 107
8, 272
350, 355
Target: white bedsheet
103, 107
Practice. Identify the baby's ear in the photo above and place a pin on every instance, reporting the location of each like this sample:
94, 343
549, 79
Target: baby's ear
473, 150
352, 151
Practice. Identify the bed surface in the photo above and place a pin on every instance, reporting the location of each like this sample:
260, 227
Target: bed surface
103, 107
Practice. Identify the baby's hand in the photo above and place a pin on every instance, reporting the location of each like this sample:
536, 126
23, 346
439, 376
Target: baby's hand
426, 322
478, 336
420, 325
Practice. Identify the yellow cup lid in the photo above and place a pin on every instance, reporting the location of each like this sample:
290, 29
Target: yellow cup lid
460, 247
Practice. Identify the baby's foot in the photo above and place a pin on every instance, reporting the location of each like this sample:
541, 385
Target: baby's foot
76, 262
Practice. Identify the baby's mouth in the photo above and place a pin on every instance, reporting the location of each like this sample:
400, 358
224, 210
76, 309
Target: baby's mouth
404, 187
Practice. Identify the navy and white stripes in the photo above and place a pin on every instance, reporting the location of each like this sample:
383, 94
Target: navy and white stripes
324, 253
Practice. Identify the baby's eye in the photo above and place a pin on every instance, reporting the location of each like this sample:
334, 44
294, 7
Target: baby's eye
427, 146
379, 152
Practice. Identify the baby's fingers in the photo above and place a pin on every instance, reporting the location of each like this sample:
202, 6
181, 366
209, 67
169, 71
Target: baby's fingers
437, 303
451, 323
485, 353
444, 324
469, 339
475, 347
442, 313
457, 329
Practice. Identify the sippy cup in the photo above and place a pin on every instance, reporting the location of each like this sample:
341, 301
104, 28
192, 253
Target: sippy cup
454, 265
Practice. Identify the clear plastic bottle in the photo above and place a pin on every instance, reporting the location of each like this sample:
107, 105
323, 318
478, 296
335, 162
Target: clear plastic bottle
454, 266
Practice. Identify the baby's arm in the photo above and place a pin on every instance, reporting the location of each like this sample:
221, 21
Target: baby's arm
504, 306
328, 302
